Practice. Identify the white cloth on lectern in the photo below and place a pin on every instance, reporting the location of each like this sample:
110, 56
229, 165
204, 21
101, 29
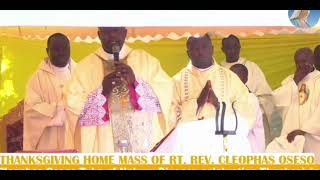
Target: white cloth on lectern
199, 137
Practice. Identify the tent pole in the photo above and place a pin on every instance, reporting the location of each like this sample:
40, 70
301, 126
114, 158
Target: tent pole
20, 32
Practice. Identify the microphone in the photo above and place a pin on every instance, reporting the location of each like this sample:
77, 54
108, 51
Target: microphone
115, 51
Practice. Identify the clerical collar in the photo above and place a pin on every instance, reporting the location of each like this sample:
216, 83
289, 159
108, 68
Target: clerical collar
203, 70
60, 69
123, 53
239, 61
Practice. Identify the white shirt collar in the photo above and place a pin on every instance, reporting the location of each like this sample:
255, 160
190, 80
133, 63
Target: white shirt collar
60, 69
239, 61
203, 70
190, 66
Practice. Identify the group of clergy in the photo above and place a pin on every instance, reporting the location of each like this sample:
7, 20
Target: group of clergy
119, 99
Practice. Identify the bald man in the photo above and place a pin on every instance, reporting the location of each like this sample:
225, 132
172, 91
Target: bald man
203, 89
241, 71
117, 99
256, 82
257, 134
44, 112
299, 99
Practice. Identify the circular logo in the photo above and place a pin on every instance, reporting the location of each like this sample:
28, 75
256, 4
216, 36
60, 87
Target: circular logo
304, 19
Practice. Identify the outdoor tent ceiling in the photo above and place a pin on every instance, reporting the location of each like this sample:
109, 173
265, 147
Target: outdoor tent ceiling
143, 18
